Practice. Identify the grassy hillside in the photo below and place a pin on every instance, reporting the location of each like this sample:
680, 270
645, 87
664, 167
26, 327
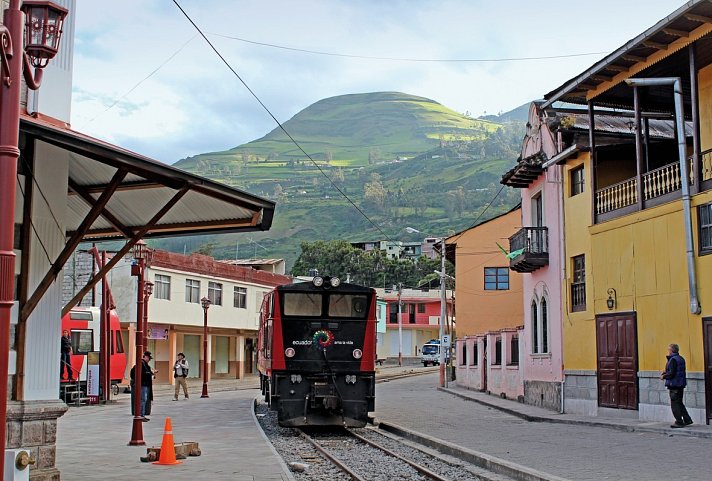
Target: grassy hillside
403, 160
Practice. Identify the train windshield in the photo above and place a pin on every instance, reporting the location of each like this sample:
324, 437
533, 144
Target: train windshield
302, 304
348, 305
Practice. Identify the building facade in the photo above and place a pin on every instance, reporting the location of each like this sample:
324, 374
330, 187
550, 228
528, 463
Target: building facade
489, 307
175, 314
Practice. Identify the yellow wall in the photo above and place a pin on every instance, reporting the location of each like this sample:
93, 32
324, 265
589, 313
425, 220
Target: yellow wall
478, 310
579, 329
704, 78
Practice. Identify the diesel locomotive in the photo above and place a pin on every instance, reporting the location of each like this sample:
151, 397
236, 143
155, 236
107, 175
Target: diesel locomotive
316, 352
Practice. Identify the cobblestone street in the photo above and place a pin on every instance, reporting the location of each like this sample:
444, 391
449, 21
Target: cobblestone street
569, 451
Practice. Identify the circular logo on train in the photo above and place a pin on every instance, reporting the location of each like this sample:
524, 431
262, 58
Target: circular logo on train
323, 338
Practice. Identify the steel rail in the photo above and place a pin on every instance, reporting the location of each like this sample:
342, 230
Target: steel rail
330, 456
421, 469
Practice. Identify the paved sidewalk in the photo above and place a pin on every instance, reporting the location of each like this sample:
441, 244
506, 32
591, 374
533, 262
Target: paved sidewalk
571, 451
537, 414
92, 441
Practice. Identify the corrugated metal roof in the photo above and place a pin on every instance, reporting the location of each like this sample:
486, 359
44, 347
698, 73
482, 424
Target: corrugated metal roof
205, 206
680, 23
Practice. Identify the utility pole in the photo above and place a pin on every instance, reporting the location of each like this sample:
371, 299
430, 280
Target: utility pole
443, 305
400, 325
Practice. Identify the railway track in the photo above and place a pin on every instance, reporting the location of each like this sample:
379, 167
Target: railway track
363, 457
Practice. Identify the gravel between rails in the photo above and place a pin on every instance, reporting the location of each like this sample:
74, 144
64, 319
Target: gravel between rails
371, 463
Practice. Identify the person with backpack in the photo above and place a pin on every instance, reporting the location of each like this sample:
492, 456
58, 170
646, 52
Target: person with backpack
180, 373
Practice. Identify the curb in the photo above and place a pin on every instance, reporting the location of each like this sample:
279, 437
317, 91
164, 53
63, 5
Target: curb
552, 420
485, 461
285, 469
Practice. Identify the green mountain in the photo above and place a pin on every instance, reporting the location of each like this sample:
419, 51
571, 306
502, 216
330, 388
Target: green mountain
403, 160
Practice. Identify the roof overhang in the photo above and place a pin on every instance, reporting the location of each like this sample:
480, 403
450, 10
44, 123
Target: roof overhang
134, 195
641, 56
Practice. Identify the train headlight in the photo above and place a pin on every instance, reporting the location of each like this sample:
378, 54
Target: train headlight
358, 353
335, 282
295, 378
318, 281
289, 352
350, 379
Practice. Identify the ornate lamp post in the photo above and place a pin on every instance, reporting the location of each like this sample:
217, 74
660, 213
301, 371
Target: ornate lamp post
43, 31
147, 291
206, 305
140, 253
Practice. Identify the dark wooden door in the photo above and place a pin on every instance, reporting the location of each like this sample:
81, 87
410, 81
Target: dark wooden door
617, 347
707, 340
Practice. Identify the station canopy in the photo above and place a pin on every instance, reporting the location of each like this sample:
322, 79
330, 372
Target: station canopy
115, 193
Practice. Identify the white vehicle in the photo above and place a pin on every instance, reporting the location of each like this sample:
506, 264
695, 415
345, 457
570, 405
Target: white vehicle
431, 353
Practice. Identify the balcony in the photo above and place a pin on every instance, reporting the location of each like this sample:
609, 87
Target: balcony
658, 186
531, 246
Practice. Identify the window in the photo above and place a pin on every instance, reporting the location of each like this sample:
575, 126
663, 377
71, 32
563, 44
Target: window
82, 341
162, 287
537, 207
535, 327
119, 343
192, 291
301, 304
475, 354
578, 286
215, 293
705, 218
577, 181
348, 305
421, 308
544, 326
463, 356
514, 351
393, 318
496, 278
497, 352
240, 298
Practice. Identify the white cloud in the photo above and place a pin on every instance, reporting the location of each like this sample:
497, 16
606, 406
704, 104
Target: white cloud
194, 103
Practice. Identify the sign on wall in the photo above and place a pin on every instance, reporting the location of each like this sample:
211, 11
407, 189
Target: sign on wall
157, 332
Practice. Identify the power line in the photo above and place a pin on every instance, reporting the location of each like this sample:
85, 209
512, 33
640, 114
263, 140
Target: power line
408, 59
279, 124
137, 84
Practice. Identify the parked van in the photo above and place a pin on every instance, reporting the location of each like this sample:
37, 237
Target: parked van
431, 353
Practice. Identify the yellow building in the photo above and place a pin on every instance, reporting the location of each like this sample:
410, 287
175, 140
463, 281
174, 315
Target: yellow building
637, 270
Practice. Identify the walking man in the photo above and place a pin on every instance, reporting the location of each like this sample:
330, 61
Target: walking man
180, 373
675, 381
65, 359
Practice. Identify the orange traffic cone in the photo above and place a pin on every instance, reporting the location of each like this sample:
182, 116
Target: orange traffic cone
168, 450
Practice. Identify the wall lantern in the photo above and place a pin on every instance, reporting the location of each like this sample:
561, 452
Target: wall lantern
43, 30
612, 299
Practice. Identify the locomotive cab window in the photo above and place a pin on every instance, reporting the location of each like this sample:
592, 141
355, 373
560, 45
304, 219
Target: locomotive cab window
302, 304
348, 305
82, 341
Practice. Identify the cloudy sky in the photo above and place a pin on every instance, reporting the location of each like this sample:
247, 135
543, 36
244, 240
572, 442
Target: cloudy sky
144, 79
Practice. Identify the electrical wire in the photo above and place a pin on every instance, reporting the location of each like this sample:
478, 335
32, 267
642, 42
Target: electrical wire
407, 59
279, 124
32, 224
137, 85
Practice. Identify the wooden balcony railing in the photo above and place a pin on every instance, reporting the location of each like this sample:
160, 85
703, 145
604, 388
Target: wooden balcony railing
533, 242
661, 181
706, 165
617, 196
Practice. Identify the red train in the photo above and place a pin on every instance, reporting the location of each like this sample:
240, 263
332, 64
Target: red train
316, 352
83, 327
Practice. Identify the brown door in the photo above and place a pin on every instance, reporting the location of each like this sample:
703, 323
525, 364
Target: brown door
707, 340
616, 343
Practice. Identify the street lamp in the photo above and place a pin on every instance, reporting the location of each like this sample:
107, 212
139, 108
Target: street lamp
443, 303
140, 253
147, 291
44, 32
206, 305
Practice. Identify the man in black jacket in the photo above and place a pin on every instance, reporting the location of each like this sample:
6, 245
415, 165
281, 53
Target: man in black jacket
65, 359
146, 382
676, 380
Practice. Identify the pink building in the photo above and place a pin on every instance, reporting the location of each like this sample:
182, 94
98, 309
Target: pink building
538, 247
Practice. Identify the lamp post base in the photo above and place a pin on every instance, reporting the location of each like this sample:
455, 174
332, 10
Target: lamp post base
205, 390
137, 432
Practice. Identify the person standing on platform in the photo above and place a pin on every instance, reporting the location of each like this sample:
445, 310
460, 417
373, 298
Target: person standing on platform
65, 359
180, 373
146, 383
675, 380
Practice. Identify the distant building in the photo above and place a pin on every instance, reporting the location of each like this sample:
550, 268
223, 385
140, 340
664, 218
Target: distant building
393, 249
273, 266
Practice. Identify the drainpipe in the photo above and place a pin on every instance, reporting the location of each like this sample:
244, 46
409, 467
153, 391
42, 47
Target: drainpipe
676, 83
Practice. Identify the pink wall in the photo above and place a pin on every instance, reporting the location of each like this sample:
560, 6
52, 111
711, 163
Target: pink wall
545, 282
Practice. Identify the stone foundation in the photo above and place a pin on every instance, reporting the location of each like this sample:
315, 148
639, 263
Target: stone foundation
654, 399
544, 394
32, 425
581, 392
